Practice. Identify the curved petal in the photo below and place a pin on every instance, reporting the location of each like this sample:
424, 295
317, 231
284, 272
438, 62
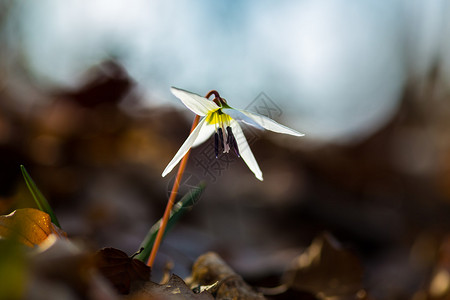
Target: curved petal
244, 150
199, 105
184, 148
240, 116
270, 124
205, 132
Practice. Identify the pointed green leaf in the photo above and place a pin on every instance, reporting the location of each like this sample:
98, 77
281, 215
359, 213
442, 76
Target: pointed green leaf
39, 198
178, 210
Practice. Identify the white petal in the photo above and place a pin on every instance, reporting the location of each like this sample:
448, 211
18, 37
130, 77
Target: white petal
270, 124
184, 148
199, 105
240, 116
244, 149
205, 133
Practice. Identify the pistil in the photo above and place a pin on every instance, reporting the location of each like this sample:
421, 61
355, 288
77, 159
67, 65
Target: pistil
231, 142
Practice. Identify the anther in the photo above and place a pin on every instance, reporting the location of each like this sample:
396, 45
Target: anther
221, 138
216, 144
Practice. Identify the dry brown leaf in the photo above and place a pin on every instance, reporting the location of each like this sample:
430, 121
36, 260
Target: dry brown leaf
61, 269
30, 226
174, 289
326, 270
210, 268
120, 269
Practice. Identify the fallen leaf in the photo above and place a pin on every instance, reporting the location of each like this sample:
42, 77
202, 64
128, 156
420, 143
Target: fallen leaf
327, 270
210, 269
61, 269
29, 225
122, 271
174, 289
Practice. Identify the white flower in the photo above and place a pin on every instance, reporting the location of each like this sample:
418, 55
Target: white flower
221, 120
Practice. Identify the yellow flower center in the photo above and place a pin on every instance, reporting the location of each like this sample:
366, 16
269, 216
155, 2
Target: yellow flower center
223, 137
218, 118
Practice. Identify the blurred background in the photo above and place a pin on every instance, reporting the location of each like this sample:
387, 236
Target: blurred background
85, 105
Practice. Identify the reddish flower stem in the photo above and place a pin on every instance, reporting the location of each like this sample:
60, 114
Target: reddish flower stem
174, 192
213, 92
171, 201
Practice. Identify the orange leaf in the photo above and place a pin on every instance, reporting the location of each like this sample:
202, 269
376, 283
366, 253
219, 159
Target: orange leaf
30, 226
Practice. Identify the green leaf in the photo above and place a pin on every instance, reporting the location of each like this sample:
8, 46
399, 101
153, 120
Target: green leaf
178, 210
39, 198
13, 270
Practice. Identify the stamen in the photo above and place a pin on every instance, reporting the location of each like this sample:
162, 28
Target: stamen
216, 144
221, 137
231, 141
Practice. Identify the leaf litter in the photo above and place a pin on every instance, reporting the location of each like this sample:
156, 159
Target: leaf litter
364, 172
122, 271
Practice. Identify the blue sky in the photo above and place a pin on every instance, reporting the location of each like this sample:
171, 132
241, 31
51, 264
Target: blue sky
336, 68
